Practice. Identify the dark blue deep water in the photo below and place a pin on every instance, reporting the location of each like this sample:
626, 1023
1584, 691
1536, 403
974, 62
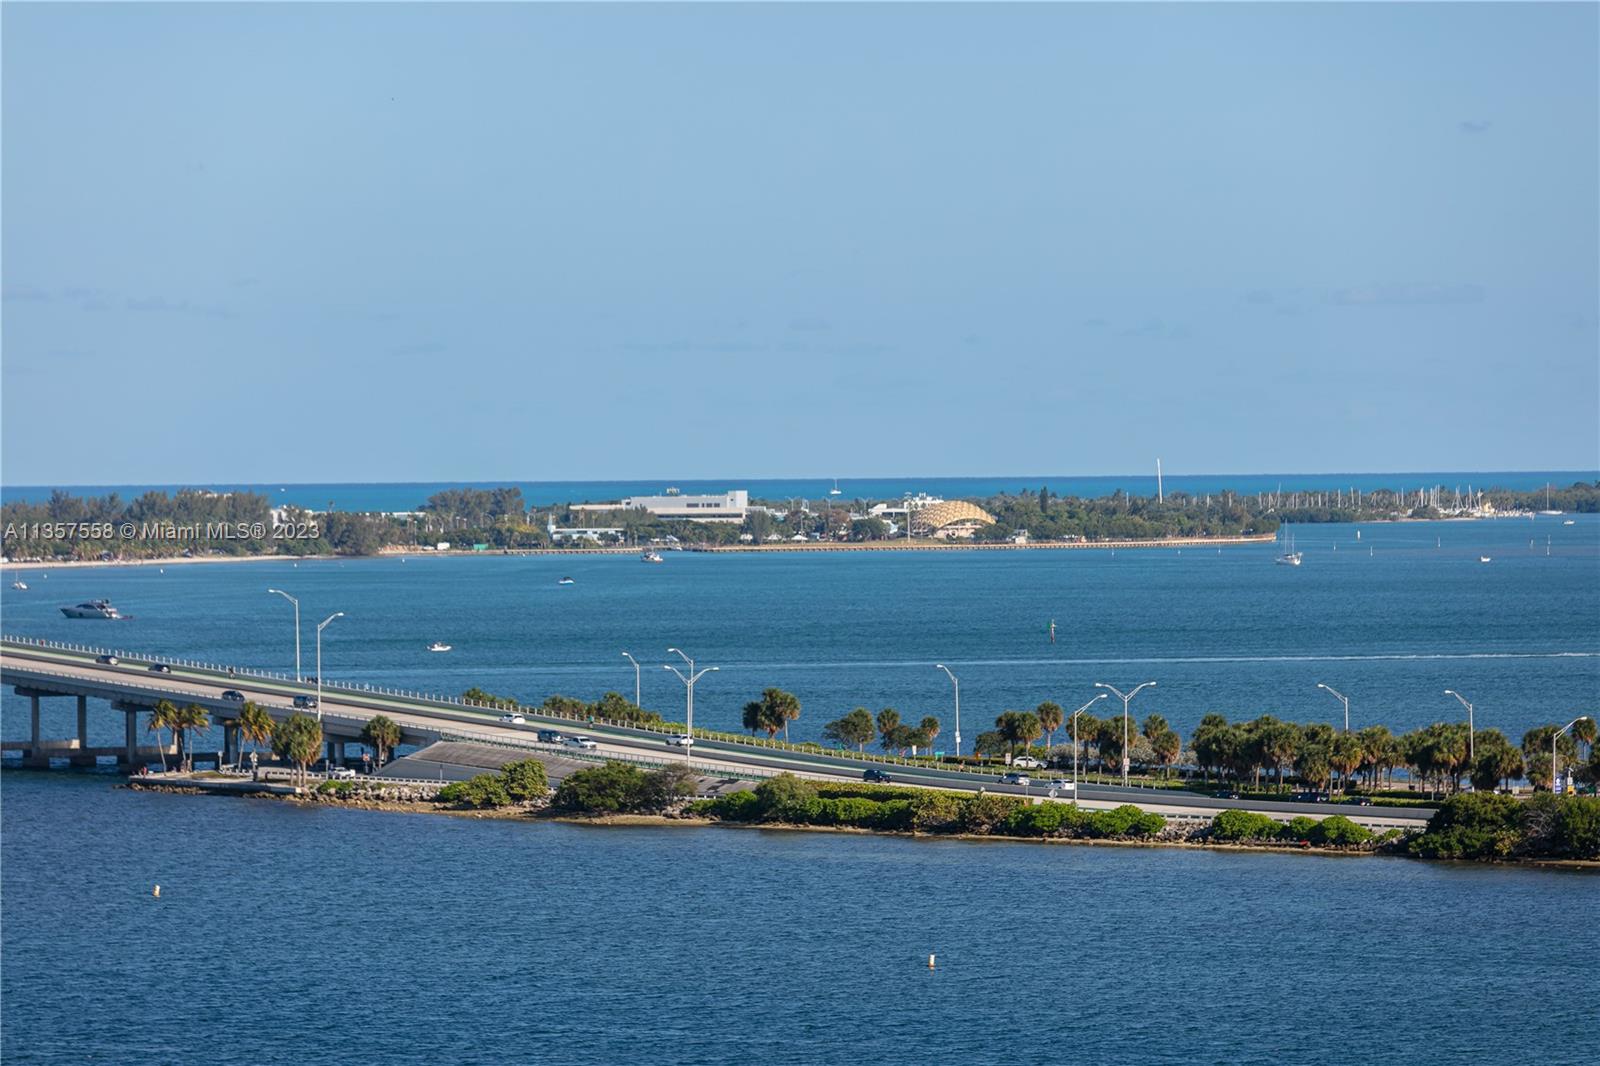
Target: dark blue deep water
287, 935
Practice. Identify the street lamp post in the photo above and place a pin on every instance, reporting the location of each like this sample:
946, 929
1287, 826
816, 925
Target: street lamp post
957, 684
324, 624
1342, 698
1555, 737
1126, 699
296, 603
1472, 750
635, 663
1075, 714
688, 680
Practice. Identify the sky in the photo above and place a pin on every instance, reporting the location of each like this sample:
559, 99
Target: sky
366, 242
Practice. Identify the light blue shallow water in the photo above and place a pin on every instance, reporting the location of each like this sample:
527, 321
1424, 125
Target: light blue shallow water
286, 935
407, 496
1391, 620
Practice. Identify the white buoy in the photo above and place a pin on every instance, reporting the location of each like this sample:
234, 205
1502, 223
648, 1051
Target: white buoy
156, 892
930, 962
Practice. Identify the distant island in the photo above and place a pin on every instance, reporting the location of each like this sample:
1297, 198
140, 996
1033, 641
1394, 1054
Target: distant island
200, 523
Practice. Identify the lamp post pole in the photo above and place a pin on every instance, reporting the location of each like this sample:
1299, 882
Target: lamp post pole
957, 684
1555, 737
1342, 698
635, 663
1075, 714
296, 603
324, 624
1472, 750
1126, 699
689, 680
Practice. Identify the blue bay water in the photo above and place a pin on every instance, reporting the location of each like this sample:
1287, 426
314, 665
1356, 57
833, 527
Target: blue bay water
408, 496
1391, 619
290, 935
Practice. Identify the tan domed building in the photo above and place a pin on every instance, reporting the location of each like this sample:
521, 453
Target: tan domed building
949, 519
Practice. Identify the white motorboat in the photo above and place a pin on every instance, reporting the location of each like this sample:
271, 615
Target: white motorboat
1484, 559
1568, 522
91, 609
20, 585
650, 557
566, 581
438, 645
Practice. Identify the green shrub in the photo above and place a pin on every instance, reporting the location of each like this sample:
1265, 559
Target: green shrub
786, 798
1301, 827
336, 788
1472, 825
849, 810
525, 780
935, 812
1243, 825
1339, 831
667, 785
1124, 821
741, 806
613, 788
483, 792
1577, 828
895, 816
981, 814
1045, 820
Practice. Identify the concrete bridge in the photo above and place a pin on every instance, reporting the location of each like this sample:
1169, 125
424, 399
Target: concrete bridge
43, 669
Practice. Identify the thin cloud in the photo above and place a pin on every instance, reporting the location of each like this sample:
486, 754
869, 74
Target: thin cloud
1407, 295
1475, 125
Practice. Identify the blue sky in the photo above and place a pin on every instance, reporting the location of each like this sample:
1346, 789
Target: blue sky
375, 242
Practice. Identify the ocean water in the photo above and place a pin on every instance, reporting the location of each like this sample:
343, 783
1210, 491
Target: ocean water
290, 935
1391, 614
408, 496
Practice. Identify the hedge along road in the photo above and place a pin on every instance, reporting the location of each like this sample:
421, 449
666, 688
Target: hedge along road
437, 715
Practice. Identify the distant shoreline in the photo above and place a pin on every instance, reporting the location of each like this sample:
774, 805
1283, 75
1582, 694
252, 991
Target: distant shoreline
717, 549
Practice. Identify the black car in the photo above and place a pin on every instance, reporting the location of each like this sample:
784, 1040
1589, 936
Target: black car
106, 660
1309, 797
160, 668
234, 695
1228, 794
872, 773
305, 701
1360, 801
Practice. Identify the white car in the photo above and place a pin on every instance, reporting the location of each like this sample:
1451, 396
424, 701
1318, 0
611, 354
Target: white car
1059, 785
581, 742
513, 719
682, 740
341, 773
1026, 762
1015, 779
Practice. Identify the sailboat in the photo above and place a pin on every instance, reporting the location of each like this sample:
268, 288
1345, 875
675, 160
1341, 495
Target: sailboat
835, 491
1290, 557
1547, 509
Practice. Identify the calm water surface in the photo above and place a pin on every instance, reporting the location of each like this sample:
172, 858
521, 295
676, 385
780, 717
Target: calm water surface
291, 935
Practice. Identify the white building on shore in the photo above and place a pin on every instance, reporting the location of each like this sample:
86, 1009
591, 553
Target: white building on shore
727, 507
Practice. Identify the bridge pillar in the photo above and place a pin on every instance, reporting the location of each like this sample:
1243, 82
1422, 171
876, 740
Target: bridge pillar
131, 755
33, 718
230, 742
83, 721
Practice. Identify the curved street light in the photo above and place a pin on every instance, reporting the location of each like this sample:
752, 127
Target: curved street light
296, 603
1555, 737
324, 624
635, 663
1472, 750
1075, 714
1342, 698
957, 684
1126, 699
688, 684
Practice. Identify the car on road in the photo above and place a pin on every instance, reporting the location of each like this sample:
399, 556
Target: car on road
1027, 762
549, 736
107, 660
682, 740
159, 668
1227, 794
872, 773
1016, 779
581, 742
1061, 785
1360, 801
233, 695
1309, 797
304, 702
512, 718
341, 773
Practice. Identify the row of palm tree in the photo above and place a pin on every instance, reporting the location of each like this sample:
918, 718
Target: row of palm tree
298, 739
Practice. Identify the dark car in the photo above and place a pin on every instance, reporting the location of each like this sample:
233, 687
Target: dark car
549, 736
1309, 797
106, 660
305, 701
1360, 801
1228, 794
159, 668
872, 773
234, 695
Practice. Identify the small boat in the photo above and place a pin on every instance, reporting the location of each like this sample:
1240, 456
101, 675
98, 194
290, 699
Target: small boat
92, 609
1484, 559
20, 585
650, 557
1568, 522
1290, 557
1547, 510
835, 491
566, 581
438, 645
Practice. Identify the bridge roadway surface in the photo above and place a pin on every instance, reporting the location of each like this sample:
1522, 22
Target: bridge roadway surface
28, 665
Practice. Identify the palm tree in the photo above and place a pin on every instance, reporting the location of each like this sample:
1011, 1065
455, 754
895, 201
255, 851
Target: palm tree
772, 712
255, 726
190, 716
888, 721
1344, 755
298, 740
1050, 716
163, 716
1167, 745
929, 728
382, 734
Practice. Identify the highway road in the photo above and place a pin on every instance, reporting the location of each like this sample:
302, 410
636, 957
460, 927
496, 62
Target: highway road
423, 718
